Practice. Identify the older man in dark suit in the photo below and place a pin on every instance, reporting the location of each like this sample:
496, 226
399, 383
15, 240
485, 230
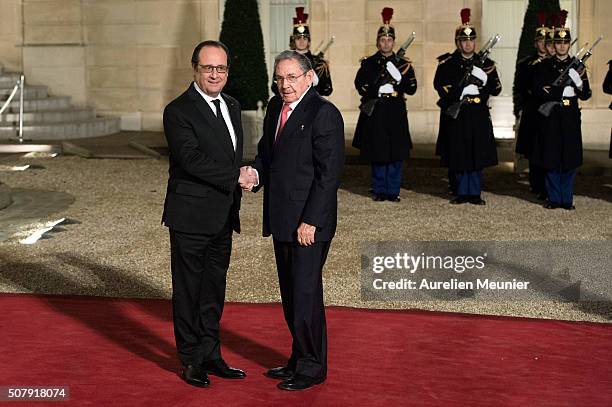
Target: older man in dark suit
299, 163
204, 134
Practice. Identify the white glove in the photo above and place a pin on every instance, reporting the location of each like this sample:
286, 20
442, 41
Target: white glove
386, 88
470, 90
568, 92
395, 73
315, 80
480, 74
575, 77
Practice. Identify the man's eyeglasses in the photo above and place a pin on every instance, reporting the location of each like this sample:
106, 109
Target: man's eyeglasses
209, 68
288, 78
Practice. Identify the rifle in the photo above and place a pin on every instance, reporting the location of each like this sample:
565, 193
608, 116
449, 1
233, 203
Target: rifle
479, 60
564, 80
320, 54
316, 59
367, 107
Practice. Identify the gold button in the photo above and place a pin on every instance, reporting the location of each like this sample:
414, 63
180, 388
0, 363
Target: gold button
476, 100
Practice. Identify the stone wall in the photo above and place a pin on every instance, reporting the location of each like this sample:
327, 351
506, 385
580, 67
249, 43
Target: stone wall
131, 57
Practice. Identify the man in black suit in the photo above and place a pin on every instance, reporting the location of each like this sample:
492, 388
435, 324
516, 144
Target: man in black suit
299, 164
204, 135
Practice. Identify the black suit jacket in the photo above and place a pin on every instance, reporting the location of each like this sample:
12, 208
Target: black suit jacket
301, 174
203, 185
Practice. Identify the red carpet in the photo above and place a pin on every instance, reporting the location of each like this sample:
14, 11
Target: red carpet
121, 352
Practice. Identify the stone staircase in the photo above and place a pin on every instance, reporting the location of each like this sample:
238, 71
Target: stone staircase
48, 117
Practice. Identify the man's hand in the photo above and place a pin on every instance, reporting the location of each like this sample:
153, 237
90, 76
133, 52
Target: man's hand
248, 178
480, 74
471, 90
568, 92
575, 76
306, 234
385, 89
393, 71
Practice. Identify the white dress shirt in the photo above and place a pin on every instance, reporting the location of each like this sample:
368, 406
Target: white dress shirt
224, 111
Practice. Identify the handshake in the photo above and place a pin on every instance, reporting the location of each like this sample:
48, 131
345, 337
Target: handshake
248, 178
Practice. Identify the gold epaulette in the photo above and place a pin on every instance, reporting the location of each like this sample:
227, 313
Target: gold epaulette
444, 57
405, 65
536, 61
489, 69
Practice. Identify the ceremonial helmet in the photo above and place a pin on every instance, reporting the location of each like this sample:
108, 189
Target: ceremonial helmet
562, 33
386, 29
541, 31
466, 30
553, 20
300, 26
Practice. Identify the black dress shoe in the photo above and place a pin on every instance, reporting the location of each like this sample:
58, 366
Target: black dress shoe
568, 207
219, 368
195, 376
477, 200
281, 373
551, 205
393, 198
541, 196
299, 382
378, 197
461, 199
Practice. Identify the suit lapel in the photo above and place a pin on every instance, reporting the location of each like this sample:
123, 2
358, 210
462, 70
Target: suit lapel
274, 109
297, 116
219, 133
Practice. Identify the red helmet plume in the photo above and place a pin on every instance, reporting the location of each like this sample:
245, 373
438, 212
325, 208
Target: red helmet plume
465, 16
387, 14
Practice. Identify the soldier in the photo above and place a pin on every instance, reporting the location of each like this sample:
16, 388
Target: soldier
466, 144
382, 132
550, 45
558, 143
607, 88
526, 105
300, 42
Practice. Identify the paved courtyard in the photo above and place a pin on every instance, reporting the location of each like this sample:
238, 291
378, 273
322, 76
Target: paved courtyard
112, 243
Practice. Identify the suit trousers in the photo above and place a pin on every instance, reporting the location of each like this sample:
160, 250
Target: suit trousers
300, 278
199, 265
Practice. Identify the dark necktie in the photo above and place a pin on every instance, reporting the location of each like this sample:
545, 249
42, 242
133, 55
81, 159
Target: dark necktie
217, 104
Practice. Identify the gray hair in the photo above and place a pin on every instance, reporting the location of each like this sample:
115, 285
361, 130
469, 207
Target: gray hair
301, 59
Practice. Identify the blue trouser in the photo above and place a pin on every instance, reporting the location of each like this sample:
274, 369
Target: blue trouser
468, 182
560, 186
387, 178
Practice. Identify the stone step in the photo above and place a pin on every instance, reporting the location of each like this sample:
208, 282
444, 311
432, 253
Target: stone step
30, 92
9, 79
101, 126
35, 105
49, 116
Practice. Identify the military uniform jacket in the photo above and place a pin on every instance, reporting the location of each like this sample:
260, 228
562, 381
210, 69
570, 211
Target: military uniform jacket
321, 68
465, 143
384, 136
526, 104
558, 141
